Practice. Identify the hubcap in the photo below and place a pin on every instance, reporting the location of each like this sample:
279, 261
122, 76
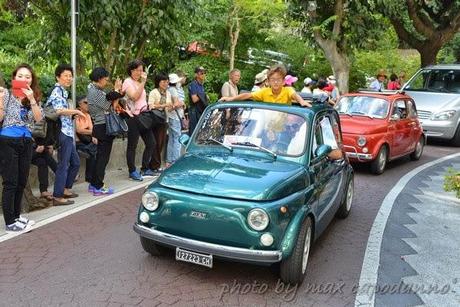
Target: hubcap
306, 250
418, 148
382, 158
349, 195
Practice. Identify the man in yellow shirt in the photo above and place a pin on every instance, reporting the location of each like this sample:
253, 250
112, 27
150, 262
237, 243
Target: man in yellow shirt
276, 93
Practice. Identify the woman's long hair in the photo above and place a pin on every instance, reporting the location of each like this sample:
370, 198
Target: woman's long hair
34, 86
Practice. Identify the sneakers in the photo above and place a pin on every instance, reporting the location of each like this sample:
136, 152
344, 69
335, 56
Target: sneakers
25, 221
148, 173
135, 176
103, 191
17, 227
91, 188
151, 173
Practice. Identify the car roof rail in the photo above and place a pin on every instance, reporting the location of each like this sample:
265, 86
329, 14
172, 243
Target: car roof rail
381, 92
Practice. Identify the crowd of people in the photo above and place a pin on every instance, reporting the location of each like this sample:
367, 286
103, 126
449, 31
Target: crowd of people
157, 117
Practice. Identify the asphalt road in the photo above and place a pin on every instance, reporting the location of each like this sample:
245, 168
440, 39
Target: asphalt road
94, 258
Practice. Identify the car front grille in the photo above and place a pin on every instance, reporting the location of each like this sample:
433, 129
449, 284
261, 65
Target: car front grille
424, 114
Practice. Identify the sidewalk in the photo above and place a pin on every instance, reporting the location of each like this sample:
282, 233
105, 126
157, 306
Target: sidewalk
417, 262
118, 179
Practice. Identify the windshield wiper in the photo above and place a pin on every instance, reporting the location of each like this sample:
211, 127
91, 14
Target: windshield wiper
257, 146
220, 143
362, 113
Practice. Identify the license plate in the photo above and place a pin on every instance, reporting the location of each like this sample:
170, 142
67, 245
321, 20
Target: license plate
193, 257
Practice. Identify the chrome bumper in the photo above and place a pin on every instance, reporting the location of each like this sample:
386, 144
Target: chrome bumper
223, 251
362, 157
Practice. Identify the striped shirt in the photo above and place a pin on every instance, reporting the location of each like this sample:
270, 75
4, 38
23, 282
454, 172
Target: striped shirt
97, 104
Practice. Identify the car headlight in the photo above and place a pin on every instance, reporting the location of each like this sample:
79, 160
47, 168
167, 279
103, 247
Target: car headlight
150, 201
445, 115
258, 219
361, 141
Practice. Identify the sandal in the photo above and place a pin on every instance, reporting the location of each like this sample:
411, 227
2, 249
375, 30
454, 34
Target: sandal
47, 197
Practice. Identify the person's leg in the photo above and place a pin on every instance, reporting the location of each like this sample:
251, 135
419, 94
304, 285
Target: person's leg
192, 117
173, 149
9, 160
104, 148
74, 166
149, 142
24, 159
155, 162
133, 139
42, 171
64, 154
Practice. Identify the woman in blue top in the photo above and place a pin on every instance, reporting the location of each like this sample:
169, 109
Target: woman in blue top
17, 111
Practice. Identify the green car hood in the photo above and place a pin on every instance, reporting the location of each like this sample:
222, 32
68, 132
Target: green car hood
235, 177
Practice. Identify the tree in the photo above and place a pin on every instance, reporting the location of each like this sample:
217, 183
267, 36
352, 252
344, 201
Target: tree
114, 32
338, 27
423, 25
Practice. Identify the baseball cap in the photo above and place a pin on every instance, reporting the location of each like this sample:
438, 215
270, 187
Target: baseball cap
289, 80
307, 80
173, 78
200, 69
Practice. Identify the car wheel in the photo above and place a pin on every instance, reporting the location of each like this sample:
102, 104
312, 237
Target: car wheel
293, 268
456, 139
345, 206
151, 247
378, 165
418, 149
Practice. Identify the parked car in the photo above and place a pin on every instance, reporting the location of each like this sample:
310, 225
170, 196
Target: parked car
259, 182
380, 127
436, 90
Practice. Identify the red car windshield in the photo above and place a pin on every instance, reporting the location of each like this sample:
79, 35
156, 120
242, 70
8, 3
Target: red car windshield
363, 106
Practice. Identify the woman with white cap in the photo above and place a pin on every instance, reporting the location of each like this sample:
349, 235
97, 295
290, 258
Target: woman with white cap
174, 116
307, 86
260, 80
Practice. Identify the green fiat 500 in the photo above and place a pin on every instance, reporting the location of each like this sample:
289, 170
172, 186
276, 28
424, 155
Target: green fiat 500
258, 183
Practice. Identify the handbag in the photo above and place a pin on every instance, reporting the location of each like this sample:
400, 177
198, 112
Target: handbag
115, 125
39, 129
144, 121
183, 122
50, 112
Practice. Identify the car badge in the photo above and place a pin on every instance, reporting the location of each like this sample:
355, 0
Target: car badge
198, 215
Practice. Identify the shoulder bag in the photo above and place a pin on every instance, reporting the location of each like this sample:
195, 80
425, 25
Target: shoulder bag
115, 125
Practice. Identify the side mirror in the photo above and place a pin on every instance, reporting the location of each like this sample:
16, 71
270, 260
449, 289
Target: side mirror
395, 117
322, 151
184, 139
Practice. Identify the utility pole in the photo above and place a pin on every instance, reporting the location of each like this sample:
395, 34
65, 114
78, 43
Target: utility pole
73, 37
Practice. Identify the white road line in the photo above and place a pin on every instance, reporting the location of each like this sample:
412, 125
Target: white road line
59, 216
369, 271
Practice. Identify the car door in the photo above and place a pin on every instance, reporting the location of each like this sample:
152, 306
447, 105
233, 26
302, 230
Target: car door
329, 175
401, 129
414, 124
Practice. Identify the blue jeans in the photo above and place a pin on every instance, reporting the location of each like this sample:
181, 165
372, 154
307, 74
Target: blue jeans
67, 166
173, 149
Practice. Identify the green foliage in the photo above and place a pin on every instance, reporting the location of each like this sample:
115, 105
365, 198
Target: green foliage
452, 181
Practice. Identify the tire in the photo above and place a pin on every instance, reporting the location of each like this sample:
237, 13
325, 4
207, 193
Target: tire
418, 149
455, 141
151, 247
378, 165
293, 268
345, 206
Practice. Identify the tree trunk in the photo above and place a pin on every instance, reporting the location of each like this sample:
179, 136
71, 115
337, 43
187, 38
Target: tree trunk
233, 32
428, 53
338, 60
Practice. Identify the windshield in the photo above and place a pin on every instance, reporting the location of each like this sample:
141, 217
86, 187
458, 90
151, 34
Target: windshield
435, 80
274, 132
363, 105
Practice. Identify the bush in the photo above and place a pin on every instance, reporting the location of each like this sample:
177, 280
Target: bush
452, 181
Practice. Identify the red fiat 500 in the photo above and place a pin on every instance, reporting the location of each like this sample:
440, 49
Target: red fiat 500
379, 127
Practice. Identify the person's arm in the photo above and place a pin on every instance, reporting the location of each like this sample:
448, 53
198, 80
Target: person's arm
2, 103
300, 100
36, 111
80, 127
61, 110
243, 96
